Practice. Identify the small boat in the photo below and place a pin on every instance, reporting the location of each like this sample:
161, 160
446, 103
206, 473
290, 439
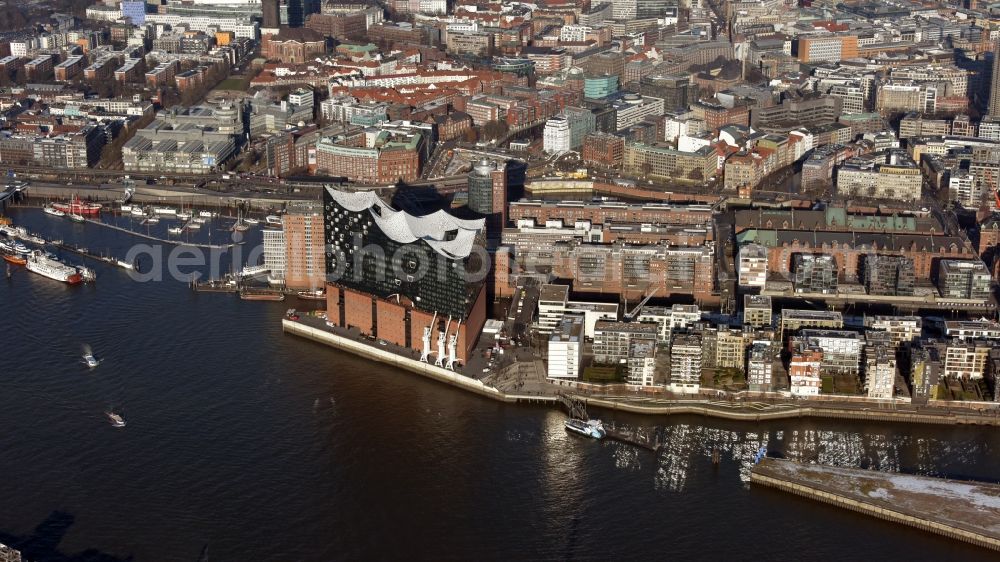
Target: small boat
76, 218
273, 219
165, 211
205, 214
16, 260
54, 212
126, 208
184, 216
199, 220
117, 420
138, 212
312, 295
193, 226
153, 220
251, 295
241, 227
88, 275
175, 230
90, 360
6, 246
251, 221
20, 248
592, 428
35, 239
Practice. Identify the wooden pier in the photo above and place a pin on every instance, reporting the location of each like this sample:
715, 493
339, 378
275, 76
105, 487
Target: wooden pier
965, 511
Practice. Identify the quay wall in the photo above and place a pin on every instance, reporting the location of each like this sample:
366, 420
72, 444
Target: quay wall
832, 498
694, 408
383, 356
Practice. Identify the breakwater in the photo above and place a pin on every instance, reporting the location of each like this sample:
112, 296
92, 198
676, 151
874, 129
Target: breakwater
965, 511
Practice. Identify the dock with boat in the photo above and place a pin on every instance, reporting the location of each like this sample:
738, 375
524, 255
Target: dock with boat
962, 510
577, 411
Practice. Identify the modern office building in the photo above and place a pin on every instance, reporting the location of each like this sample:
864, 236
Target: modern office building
274, 254
964, 279
402, 277
994, 107
599, 87
488, 194
814, 273
889, 275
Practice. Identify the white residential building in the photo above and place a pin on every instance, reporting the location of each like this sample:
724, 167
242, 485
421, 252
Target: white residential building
753, 265
880, 372
565, 132
566, 348
685, 363
274, 253
677, 317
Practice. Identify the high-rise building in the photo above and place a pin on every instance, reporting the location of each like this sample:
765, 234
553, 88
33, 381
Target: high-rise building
566, 131
274, 254
880, 371
994, 109
305, 261
815, 273
488, 194
402, 277
675, 90
685, 363
566, 348
271, 14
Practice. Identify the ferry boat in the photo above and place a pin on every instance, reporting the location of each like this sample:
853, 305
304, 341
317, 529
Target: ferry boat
14, 259
175, 230
273, 219
592, 428
76, 218
54, 212
90, 360
78, 207
117, 420
52, 268
319, 295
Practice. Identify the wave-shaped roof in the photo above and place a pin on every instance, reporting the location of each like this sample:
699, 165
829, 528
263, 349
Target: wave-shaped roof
405, 228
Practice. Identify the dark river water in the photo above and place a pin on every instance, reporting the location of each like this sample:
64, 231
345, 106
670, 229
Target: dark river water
267, 447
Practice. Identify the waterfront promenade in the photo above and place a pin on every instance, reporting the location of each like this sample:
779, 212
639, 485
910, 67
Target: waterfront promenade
965, 511
737, 410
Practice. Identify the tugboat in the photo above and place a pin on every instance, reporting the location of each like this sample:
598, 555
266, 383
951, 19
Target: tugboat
592, 428
117, 420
